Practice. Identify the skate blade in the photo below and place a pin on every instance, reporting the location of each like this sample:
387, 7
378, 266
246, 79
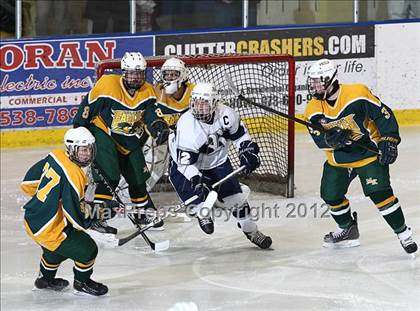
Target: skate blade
156, 229
36, 289
343, 244
161, 246
83, 294
184, 217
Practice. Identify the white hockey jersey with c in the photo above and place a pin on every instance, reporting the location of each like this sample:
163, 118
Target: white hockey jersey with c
201, 146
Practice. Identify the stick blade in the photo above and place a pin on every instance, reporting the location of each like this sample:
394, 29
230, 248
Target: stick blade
106, 240
161, 246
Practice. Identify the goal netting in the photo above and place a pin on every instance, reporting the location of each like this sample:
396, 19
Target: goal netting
266, 79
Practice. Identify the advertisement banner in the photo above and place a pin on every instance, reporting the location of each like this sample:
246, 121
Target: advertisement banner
43, 81
352, 48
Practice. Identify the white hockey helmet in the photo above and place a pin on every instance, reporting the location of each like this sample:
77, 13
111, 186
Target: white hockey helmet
80, 146
203, 102
133, 66
321, 77
174, 73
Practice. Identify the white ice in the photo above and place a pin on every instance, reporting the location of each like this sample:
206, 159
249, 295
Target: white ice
224, 271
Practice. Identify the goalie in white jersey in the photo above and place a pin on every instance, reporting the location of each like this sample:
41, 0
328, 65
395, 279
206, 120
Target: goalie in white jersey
199, 157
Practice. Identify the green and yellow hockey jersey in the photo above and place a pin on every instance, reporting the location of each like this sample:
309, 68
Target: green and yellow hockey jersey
111, 108
357, 109
57, 186
169, 108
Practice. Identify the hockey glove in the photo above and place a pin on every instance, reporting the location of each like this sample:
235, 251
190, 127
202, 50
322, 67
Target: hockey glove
159, 130
248, 156
201, 186
136, 128
337, 137
388, 150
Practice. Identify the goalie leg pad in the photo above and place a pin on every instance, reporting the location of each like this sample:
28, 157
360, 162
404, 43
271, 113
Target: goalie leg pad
157, 160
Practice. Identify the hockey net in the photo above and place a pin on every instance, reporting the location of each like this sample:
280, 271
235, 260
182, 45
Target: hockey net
266, 79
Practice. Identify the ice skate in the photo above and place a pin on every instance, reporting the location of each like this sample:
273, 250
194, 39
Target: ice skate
259, 239
56, 284
407, 242
90, 287
145, 220
103, 227
343, 238
206, 224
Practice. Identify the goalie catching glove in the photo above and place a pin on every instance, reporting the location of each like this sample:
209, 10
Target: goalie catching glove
388, 150
248, 156
159, 130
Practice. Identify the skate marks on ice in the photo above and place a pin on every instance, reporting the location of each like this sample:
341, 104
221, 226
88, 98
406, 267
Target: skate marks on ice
333, 279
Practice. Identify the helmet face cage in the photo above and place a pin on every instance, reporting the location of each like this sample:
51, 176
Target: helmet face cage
202, 108
316, 87
203, 102
173, 73
134, 79
170, 75
82, 155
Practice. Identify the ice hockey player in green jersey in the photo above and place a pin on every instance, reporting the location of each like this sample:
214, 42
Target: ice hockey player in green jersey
120, 113
350, 112
57, 215
173, 94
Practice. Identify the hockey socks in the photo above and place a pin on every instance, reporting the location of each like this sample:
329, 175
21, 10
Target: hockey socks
341, 213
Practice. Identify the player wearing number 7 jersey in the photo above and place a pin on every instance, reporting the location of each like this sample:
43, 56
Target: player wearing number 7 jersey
57, 215
199, 158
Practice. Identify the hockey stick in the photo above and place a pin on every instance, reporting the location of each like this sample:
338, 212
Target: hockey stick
209, 202
320, 128
158, 246
212, 196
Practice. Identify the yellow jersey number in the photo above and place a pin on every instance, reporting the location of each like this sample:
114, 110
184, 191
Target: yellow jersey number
50, 173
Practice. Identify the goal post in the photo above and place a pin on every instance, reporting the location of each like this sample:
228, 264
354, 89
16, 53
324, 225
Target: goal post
266, 79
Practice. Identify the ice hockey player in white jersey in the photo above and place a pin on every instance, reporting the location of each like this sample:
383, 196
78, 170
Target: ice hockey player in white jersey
199, 157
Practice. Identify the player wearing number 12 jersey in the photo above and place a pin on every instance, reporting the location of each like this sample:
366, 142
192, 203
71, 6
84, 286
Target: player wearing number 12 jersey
199, 157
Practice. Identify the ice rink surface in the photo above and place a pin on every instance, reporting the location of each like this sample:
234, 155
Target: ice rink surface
225, 271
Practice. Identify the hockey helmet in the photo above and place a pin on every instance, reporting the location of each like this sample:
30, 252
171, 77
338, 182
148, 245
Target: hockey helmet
174, 73
322, 75
80, 146
133, 66
203, 102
